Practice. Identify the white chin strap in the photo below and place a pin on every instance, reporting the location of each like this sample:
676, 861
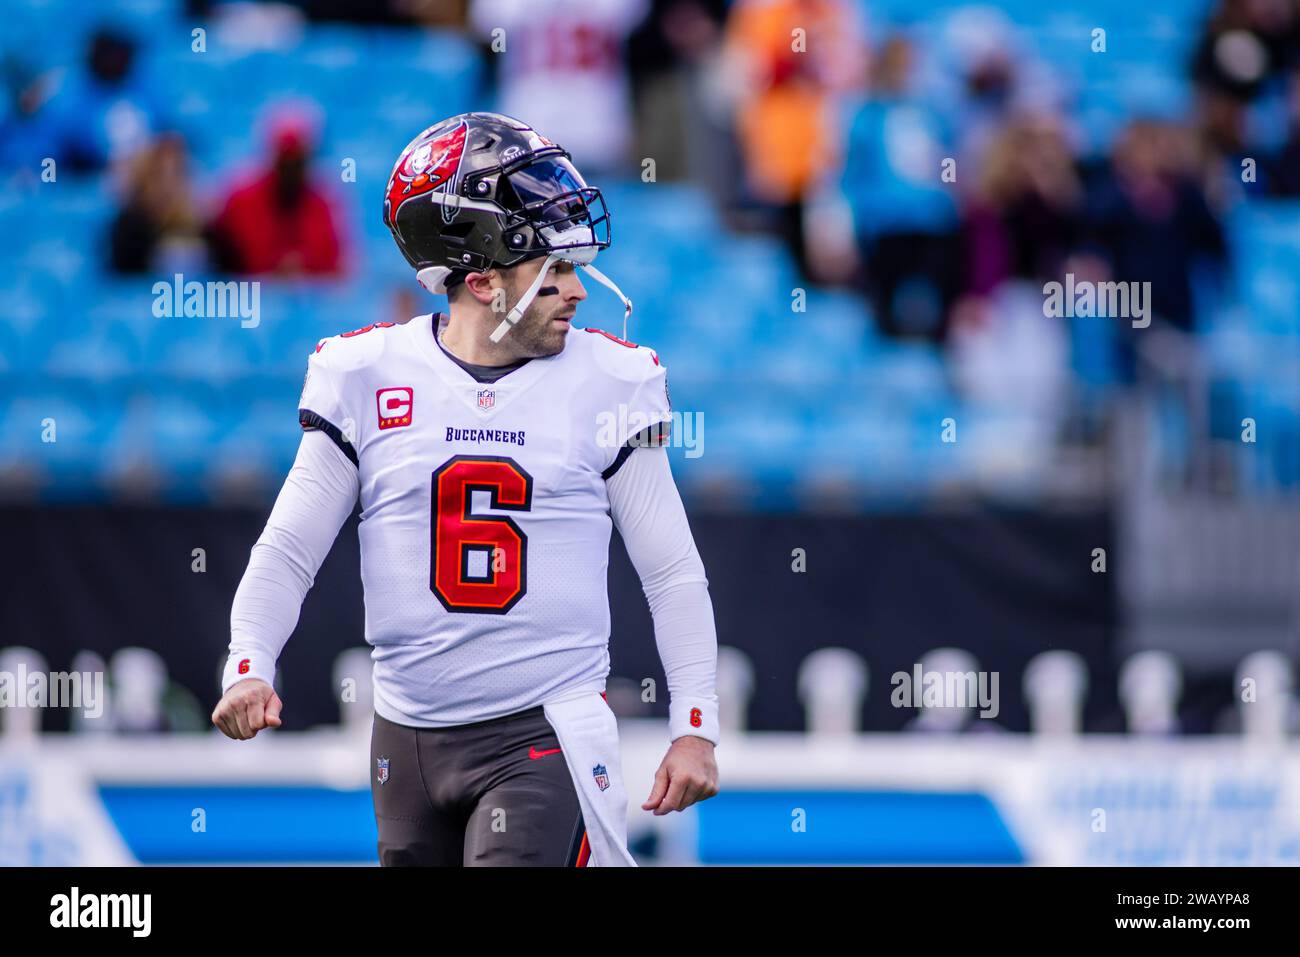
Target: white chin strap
517, 313
604, 280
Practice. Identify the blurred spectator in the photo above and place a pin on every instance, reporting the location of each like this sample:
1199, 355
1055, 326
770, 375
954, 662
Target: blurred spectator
1283, 168
1222, 131
668, 57
281, 221
790, 59
1244, 47
1023, 216
1019, 223
1152, 223
447, 14
564, 71
983, 74
159, 215
1244, 44
102, 113
25, 129
1150, 219
905, 219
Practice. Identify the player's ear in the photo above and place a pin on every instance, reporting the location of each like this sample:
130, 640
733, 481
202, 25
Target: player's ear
483, 285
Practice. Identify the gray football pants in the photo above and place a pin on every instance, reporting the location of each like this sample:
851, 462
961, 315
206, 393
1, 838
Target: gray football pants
493, 793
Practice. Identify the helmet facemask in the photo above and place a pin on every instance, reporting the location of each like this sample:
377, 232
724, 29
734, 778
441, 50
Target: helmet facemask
558, 215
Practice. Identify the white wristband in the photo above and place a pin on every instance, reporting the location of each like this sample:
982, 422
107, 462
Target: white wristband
693, 716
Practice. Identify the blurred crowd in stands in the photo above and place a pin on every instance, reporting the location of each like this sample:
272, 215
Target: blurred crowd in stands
926, 160
96, 119
795, 116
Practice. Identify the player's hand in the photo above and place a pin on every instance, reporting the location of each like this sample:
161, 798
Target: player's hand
688, 774
248, 707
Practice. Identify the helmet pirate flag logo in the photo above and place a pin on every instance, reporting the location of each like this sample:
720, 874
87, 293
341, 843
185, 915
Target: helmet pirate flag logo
427, 166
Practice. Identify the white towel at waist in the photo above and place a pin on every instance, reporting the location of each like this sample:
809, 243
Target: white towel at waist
588, 734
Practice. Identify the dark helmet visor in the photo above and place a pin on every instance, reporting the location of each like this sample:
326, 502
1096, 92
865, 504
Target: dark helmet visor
564, 211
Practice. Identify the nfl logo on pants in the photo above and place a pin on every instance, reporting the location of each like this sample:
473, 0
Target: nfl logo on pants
602, 779
381, 765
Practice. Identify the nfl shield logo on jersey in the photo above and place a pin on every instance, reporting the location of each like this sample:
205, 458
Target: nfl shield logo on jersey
602, 779
487, 398
382, 770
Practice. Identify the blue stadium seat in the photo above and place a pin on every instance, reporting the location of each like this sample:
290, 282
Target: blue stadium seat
787, 393
56, 429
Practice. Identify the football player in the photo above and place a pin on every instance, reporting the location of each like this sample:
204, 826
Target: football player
492, 449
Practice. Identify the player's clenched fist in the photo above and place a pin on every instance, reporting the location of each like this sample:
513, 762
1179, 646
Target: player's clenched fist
247, 708
687, 775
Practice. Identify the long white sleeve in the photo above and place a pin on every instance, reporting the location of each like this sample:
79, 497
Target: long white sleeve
648, 512
317, 497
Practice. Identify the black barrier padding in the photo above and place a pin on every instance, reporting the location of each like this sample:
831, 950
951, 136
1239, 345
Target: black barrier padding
1003, 585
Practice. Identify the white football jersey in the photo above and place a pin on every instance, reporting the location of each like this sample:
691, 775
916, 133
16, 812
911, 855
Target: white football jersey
573, 46
485, 521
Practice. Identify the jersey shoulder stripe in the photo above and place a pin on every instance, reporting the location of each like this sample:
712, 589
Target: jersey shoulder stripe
621, 359
354, 349
313, 420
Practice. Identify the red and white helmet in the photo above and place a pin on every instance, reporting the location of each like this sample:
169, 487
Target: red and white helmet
480, 190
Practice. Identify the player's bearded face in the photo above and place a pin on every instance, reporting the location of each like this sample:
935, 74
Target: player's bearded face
540, 331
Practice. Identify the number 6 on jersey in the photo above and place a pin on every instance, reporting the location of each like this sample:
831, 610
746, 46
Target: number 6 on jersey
479, 563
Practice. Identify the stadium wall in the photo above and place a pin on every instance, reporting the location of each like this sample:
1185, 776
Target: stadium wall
1002, 585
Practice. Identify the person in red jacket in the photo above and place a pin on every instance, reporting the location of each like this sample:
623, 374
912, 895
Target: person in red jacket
280, 222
